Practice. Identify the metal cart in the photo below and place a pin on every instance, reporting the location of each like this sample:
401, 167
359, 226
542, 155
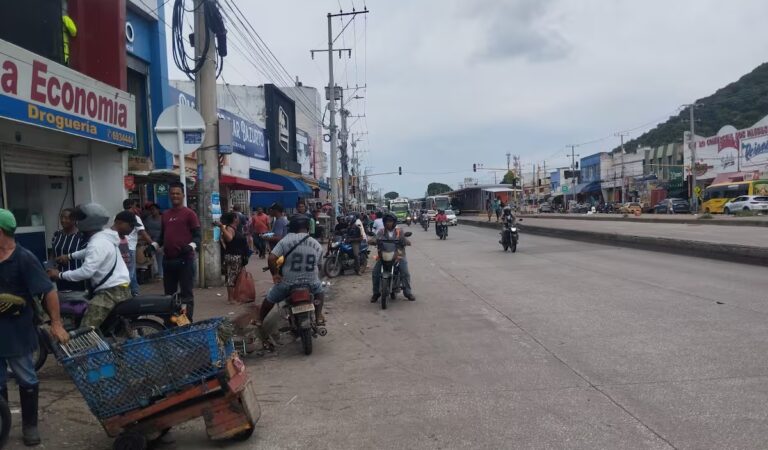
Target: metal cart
143, 387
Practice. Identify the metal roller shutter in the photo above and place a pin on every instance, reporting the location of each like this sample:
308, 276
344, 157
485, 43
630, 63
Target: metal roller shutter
33, 162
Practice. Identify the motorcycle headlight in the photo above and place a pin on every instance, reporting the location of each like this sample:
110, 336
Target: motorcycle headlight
513, 229
335, 245
387, 256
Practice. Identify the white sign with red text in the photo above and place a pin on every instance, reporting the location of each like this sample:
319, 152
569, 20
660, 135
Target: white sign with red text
40, 92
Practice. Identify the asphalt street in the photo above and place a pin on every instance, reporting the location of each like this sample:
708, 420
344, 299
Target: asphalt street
560, 345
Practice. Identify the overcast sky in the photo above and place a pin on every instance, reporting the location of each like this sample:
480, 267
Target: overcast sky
457, 82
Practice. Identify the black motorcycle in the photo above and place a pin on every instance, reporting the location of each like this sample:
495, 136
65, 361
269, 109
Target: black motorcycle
510, 236
425, 222
299, 310
442, 230
136, 317
389, 256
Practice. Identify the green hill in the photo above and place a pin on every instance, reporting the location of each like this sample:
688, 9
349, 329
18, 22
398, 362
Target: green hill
740, 104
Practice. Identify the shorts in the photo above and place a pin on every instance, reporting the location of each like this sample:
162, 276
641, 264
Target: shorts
233, 264
279, 292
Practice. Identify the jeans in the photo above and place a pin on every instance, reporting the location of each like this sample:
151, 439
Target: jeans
405, 277
260, 244
22, 366
132, 273
179, 276
281, 291
356, 254
159, 263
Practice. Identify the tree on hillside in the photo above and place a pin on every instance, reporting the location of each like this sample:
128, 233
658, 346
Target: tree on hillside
510, 178
438, 188
391, 195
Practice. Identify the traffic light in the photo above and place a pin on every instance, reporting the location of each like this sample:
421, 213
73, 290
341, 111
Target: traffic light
474, 167
399, 170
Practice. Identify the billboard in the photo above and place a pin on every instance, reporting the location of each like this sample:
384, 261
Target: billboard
732, 150
40, 92
281, 129
247, 138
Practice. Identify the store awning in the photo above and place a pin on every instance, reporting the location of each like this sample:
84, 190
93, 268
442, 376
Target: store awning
293, 190
324, 186
311, 182
159, 176
246, 184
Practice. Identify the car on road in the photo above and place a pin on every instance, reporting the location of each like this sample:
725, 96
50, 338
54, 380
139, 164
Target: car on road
545, 208
452, 220
431, 213
679, 206
631, 208
747, 203
579, 208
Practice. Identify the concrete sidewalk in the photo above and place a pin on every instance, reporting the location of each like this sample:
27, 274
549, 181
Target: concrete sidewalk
717, 219
746, 244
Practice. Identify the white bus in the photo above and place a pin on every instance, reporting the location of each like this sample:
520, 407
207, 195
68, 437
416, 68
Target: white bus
436, 202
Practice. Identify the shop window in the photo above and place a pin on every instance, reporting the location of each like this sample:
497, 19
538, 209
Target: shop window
34, 25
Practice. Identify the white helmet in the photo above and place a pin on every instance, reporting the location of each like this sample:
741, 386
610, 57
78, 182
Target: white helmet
91, 217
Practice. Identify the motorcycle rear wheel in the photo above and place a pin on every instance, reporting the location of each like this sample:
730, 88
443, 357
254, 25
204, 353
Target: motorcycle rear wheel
144, 327
332, 267
306, 340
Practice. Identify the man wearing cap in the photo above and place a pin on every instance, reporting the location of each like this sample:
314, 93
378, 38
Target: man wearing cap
103, 265
22, 279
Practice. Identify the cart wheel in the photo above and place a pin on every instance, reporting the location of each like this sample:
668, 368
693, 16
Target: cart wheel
130, 441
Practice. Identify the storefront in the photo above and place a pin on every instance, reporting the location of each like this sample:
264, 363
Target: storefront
64, 139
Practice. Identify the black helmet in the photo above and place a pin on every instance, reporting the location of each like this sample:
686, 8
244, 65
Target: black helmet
390, 216
351, 218
297, 223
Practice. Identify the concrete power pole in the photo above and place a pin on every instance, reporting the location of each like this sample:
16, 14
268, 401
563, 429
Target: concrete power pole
344, 134
332, 107
623, 155
573, 178
208, 154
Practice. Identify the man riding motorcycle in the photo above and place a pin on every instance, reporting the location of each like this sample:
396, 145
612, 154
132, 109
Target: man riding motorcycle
507, 219
391, 231
302, 254
103, 265
440, 219
355, 234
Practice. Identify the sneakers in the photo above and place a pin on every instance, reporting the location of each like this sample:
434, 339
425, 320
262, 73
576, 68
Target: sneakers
410, 297
375, 298
320, 319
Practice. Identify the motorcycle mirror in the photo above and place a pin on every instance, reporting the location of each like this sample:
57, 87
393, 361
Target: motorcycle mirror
408, 234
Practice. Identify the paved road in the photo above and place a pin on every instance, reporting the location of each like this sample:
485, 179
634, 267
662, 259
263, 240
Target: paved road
561, 345
753, 236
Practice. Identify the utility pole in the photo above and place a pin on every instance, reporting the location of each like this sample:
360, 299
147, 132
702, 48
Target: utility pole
208, 153
623, 155
332, 106
692, 144
573, 175
343, 134
508, 158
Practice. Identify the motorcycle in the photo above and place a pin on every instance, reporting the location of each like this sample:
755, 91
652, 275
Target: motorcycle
408, 220
389, 256
442, 230
425, 222
340, 257
129, 319
510, 236
299, 311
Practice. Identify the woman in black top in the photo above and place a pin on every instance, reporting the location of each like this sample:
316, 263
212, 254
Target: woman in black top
235, 251
66, 241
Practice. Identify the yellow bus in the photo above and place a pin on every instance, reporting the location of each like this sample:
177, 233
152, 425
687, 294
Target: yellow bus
716, 196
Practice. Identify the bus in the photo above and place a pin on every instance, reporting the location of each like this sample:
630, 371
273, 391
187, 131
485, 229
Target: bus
716, 196
436, 202
400, 207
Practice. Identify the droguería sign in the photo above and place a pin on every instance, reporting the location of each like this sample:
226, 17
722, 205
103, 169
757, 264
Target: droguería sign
40, 92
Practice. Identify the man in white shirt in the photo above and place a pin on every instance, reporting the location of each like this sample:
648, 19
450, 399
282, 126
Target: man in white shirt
378, 224
132, 205
103, 266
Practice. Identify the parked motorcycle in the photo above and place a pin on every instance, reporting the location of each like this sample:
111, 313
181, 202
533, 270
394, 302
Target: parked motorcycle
390, 257
442, 230
299, 311
340, 257
138, 316
510, 236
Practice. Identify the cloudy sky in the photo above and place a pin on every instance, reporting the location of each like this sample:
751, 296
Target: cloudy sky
457, 82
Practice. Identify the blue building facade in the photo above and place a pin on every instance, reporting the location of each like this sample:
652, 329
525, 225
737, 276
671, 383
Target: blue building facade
147, 61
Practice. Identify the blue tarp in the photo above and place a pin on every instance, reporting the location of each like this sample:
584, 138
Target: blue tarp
293, 190
583, 188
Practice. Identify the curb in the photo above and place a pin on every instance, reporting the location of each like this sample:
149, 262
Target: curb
618, 218
722, 252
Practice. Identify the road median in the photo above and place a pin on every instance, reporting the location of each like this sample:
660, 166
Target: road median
746, 254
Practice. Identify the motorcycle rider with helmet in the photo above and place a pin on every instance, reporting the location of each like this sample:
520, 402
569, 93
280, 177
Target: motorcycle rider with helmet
507, 218
393, 232
302, 254
103, 265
